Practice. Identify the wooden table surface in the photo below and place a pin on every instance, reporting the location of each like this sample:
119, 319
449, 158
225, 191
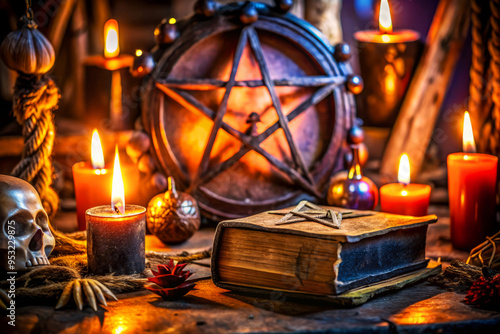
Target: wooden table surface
208, 309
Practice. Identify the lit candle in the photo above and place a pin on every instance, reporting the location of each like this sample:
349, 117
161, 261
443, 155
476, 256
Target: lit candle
116, 234
405, 198
111, 59
92, 181
387, 59
472, 193
106, 77
111, 45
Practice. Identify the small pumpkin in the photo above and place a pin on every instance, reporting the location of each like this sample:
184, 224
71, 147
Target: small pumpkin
173, 216
27, 50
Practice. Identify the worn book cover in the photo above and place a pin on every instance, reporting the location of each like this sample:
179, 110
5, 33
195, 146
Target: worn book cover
308, 257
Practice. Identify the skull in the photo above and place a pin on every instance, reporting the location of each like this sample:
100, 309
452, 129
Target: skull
25, 238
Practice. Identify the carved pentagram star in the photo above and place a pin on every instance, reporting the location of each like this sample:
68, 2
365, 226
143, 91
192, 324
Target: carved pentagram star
327, 217
298, 171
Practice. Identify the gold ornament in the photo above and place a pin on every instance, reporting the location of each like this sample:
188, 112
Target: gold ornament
173, 216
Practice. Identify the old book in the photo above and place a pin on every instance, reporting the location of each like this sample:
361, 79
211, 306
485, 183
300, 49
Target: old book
308, 257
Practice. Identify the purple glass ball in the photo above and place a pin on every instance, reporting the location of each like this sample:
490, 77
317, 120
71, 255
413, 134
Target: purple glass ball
358, 194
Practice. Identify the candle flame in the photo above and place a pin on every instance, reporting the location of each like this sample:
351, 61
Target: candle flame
138, 52
404, 169
384, 18
111, 46
469, 145
117, 190
96, 152
172, 20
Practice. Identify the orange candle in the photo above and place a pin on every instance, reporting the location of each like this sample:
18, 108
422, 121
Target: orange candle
387, 59
472, 193
92, 181
116, 233
405, 198
108, 82
112, 60
385, 34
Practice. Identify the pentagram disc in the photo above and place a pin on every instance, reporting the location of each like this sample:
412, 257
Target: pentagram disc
258, 160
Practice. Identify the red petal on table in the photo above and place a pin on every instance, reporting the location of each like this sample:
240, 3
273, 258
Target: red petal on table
163, 270
167, 281
178, 268
174, 293
171, 265
186, 274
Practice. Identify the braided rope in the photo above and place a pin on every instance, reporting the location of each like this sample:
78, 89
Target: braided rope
479, 101
35, 99
494, 49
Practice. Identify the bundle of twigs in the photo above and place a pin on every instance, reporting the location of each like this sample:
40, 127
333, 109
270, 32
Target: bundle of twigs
487, 254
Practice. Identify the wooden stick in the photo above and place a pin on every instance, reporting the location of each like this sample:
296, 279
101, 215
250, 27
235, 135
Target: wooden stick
415, 124
314, 219
303, 220
290, 214
58, 27
210, 84
223, 106
309, 212
325, 15
266, 77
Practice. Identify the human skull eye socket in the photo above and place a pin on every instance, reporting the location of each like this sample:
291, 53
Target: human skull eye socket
42, 221
17, 224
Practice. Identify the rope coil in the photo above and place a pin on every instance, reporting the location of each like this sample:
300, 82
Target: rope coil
35, 99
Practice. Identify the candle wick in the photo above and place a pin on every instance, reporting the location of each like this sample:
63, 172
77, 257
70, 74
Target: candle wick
117, 209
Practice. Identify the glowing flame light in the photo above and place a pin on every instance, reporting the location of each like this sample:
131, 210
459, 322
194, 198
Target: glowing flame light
96, 153
404, 169
172, 20
384, 18
469, 145
117, 190
138, 52
111, 46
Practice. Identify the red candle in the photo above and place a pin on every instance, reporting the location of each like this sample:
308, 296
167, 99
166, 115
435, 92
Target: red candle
116, 234
405, 198
472, 193
92, 181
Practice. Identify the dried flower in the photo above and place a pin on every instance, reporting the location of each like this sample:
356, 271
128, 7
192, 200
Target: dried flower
485, 292
171, 278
